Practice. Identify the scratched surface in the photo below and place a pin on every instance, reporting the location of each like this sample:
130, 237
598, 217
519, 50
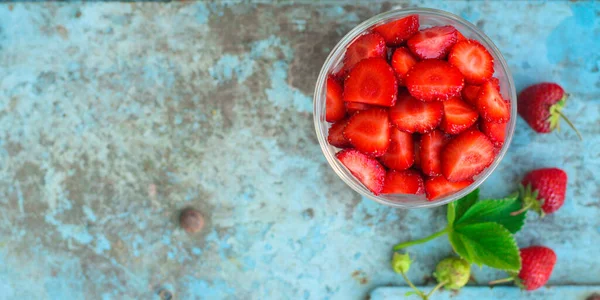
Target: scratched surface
115, 116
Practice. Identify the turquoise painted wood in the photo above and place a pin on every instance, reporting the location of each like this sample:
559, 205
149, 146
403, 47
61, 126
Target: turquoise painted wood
114, 116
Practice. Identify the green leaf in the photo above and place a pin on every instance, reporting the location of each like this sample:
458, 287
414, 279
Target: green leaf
463, 204
498, 211
486, 243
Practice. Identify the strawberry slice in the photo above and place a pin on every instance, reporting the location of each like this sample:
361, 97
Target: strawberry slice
437, 187
470, 93
473, 61
369, 131
334, 105
430, 150
352, 107
496, 132
371, 81
433, 43
403, 182
466, 156
366, 169
417, 143
336, 134
412, 115
366, 46
458, 116
460, 37
402, 61
401, 153
491, 106
431, 80
396, 32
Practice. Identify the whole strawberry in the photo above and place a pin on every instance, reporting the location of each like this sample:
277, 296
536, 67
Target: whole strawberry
543, 190
537, 263
541, 106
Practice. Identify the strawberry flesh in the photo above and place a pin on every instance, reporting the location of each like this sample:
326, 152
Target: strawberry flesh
494, 131
437, 187
369, 131
490, 104
403, 182
334, 109
412, 115
402, 61
466, 156
432, 80
371, 81
433, 43
352, 107
396, 32
430, 149
336, 134
473, 61
366, 169
401, 153
366, 46
458, 116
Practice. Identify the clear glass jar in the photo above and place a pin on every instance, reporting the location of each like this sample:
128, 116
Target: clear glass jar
427, 18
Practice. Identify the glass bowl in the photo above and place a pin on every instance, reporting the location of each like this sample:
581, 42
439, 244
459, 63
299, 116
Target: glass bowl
427, 18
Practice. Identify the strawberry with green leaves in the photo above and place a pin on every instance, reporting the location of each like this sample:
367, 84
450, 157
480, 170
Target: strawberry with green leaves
541, 106
543, 190
537, 263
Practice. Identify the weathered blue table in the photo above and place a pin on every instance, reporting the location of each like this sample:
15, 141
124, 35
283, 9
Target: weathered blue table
115, 116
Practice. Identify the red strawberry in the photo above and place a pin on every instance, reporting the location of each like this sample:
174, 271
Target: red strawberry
431, 80
460, 37
402, 61
473, 61
496, 82
352, 107
334, 109
403, 182
430, 150
371, 81
491, 105
412, 115
543, 190
336, 137
401, 153
433, 43
366, 46
366, 169
494, 131
417, 143
470, 93
537, 263
436, 187
396, 32
541, 105
458, 116
466, 156
369, 131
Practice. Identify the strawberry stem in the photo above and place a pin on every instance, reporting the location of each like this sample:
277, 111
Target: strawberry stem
503, 280
520, 211
417, 291
570, 124
437, 287
421, 241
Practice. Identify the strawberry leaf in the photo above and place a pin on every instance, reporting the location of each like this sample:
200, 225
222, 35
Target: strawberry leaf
498, 211
486, 244
457, 209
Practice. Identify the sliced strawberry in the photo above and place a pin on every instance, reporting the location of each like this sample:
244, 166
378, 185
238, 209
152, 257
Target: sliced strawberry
473, 61
366, 169
334, 109
466, 156
336, 134
366, 46
369, 131
371, 81
431, 80
437, 187
496, 82
396, 32
491, 106
401, 153
402, 61
417, 143
433, 43
430, 150
458, 116
352, 107
470, 93
403, 182
494, 131
460, 37
412, 115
